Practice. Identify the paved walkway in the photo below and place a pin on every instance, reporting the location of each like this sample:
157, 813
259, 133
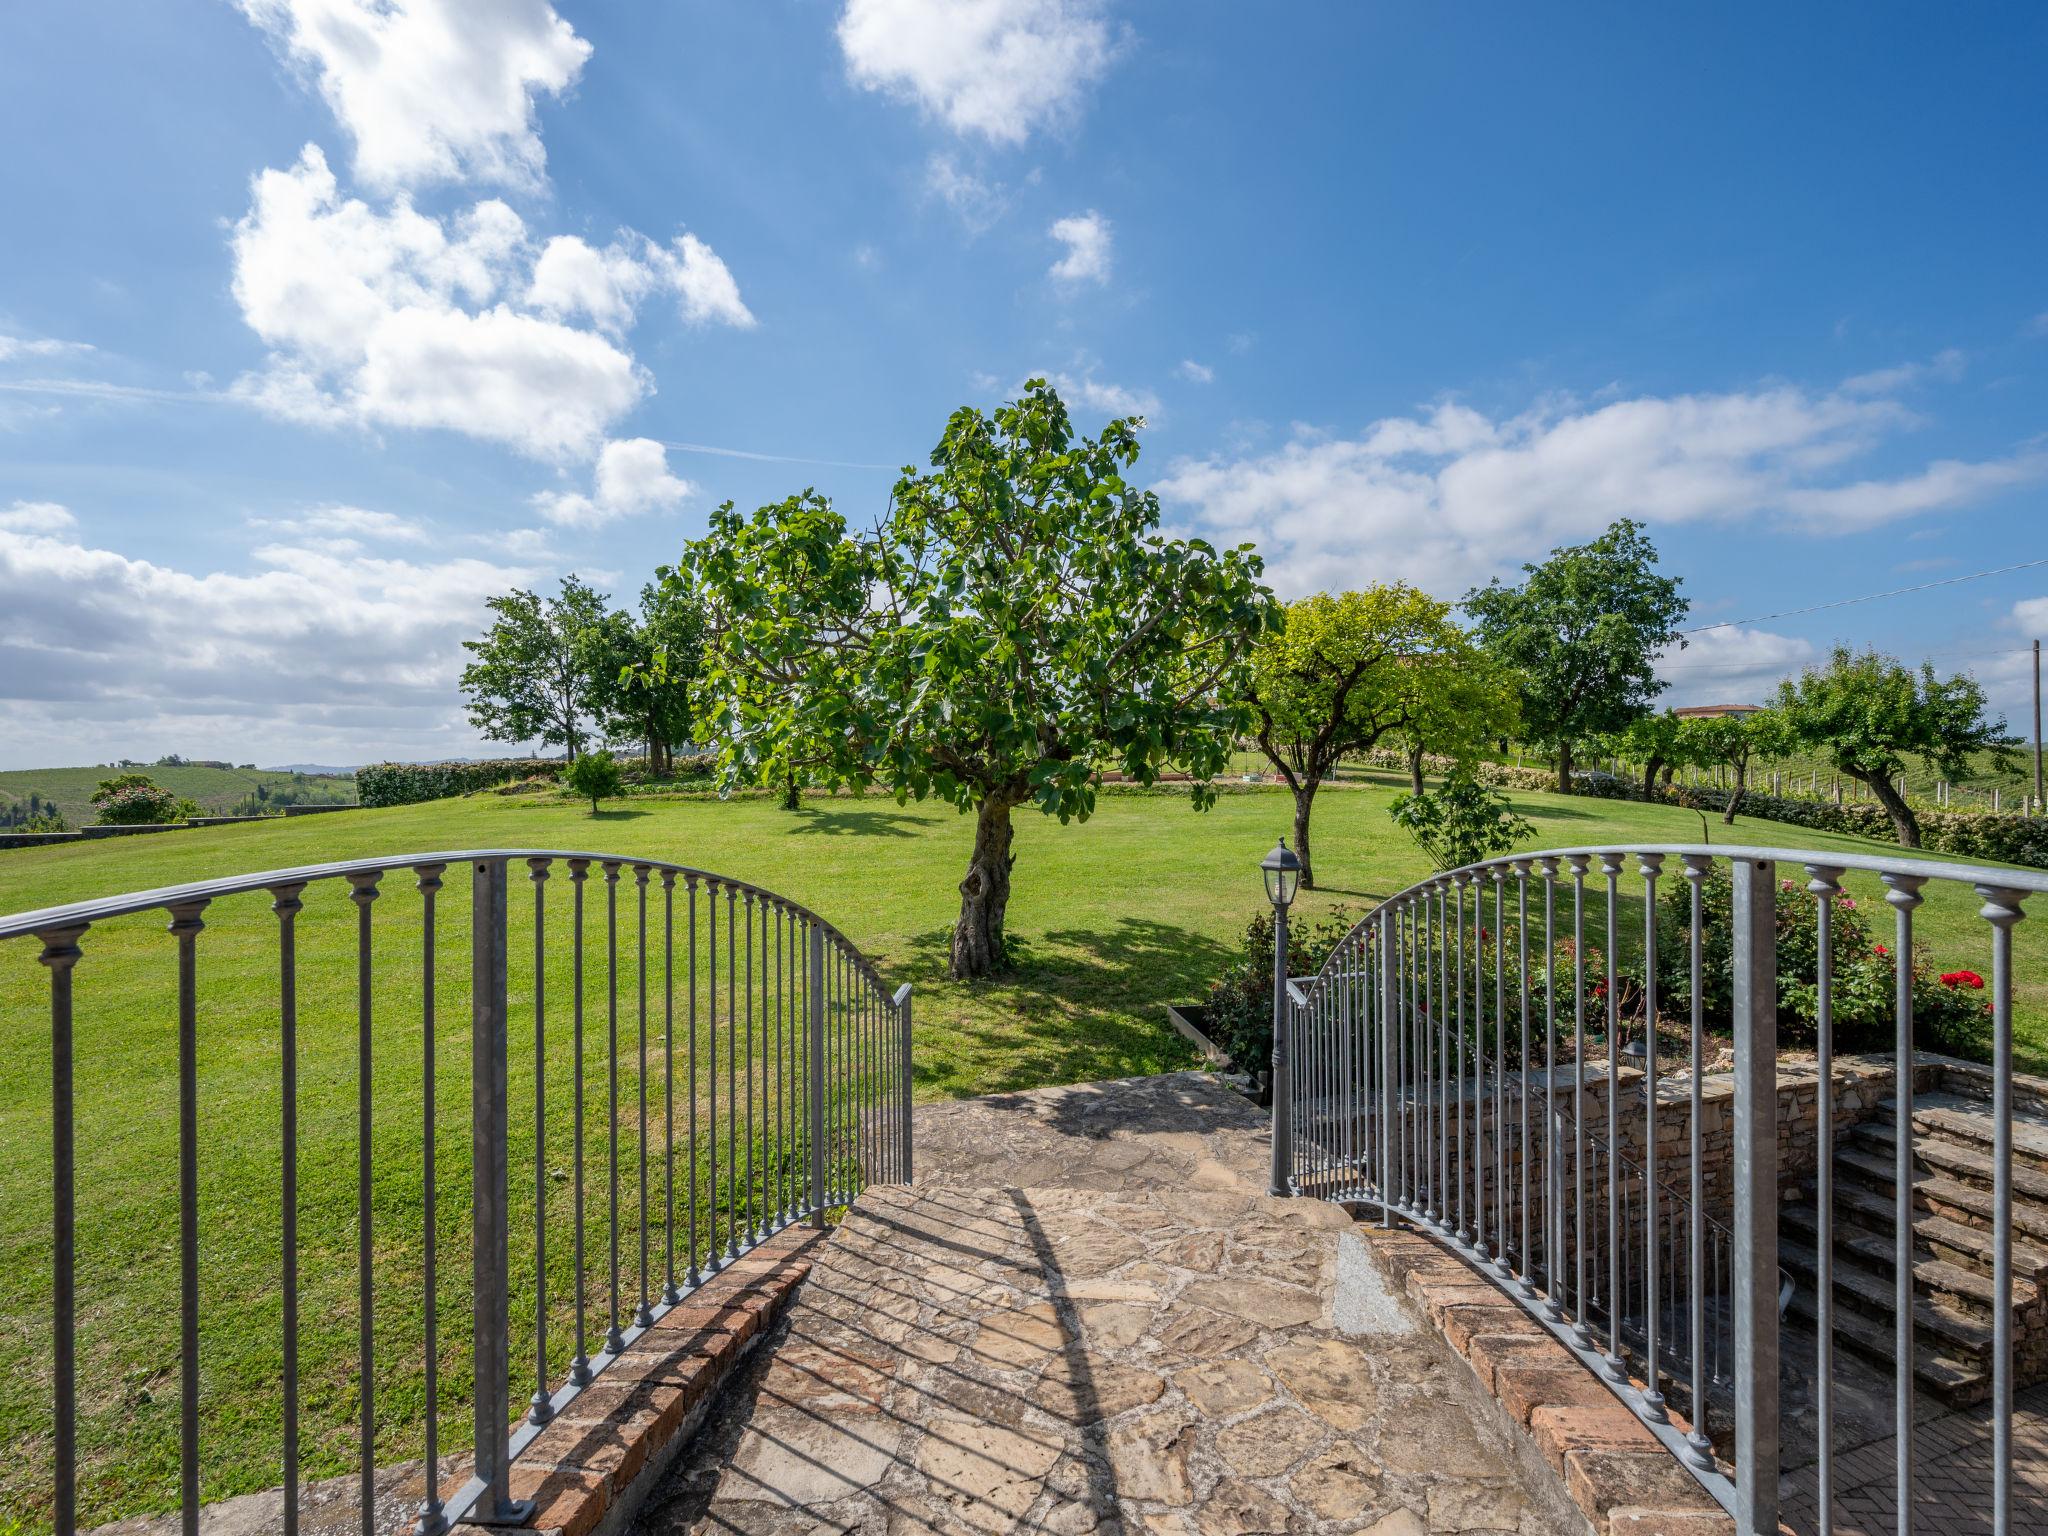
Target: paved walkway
1087, 1318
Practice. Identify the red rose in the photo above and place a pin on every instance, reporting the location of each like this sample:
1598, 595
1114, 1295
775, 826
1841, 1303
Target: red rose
1962, 979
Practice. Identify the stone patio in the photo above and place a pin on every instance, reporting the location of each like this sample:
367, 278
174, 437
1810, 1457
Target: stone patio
1087, 1317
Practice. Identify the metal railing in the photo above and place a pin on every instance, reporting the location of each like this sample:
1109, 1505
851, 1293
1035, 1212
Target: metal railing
765, 1079
1436, 1068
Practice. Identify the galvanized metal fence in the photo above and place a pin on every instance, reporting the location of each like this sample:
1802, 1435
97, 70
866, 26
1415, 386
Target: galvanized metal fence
1437, 1069
764, 1079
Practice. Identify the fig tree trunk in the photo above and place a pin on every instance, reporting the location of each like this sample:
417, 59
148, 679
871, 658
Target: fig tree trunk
1904, 822
791, 799
1564, 768
1415, 770
978, 948
1304, 802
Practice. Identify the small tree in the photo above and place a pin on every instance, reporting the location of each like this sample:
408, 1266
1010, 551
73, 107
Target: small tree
643, 671
1463, 822
1656, 740
1732, 741
1335, 679
1582, 635
1867, 712
595, 776
532, 678
135, 800
1460, 706
1014, 628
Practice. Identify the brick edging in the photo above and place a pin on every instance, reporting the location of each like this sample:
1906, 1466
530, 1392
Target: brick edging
589, 1470
1617, 1473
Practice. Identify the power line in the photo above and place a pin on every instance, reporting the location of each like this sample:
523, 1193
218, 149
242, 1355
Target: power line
1869, 597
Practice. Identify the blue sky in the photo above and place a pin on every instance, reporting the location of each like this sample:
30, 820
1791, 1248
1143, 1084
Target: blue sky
321, 320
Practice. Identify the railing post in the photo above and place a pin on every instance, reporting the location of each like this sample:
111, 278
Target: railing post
1756, 1197
814, 997
903, 1029
1283, 1097
490, 1265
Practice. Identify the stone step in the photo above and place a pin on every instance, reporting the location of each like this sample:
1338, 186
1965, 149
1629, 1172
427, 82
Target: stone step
1873, 1171
1958, 1242
1872, 1292
1969, 1120
1951, 1378
1963, 1287
1957, 1159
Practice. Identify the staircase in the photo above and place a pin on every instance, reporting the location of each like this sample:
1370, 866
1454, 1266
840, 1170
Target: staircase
1952, 1212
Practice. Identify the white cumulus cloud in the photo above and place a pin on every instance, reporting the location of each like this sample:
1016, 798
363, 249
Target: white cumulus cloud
1094, 394
1731, 666
1451, 496
632, 477
1088, 241
999, 69
431, 90
36, 517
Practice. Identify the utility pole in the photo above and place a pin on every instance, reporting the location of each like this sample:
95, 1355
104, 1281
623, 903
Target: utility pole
2037, 728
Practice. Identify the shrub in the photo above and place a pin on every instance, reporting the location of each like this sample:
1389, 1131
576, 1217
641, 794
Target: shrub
411, 783
595, 776
134, 799
1461, 822
1240, 1001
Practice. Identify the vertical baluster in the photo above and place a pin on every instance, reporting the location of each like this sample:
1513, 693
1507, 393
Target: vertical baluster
1903, 892
1581, 1329
1501, 1228
713, 1255
363, 891
1528, 1252
732, 1072
1617, 1368
614, 1340
751, 1214
185, 926
1553, 1206
669, 1294
1756, 1197
579, 1363
644, 1316
286, 904
539, 1410
1444, 1077
1458, 939
1699, 1447
60, 954
814, 1068
1824, 883
432, 1520
692, 1275
1653, 1400
2001, 910
778, 1203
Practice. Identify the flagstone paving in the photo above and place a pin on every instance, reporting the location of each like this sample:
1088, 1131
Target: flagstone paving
1166, 1351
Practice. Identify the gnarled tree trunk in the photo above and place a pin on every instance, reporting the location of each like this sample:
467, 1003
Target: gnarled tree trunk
978, 948
1904, 822
791, 799
1650, 777
1415, 770
1304, 802
1735, 797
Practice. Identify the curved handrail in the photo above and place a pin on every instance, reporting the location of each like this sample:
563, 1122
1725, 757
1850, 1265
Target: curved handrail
2010, 878
81, 914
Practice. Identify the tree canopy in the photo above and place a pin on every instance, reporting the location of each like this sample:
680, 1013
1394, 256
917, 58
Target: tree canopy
1867, 712
1014, 628
1582, 635
530, 679
1732, 741
1341, 672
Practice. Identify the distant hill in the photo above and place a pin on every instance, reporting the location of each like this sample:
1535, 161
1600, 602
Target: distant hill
323, 770
223, 791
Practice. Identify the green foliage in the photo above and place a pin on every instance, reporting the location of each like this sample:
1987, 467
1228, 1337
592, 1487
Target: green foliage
1014, 628
594, 776
1582, 636
135, 800
643, 672
1461, 704
1461, 822
1731, 741
1867, 712
1239, 1007
411, 783
532, 677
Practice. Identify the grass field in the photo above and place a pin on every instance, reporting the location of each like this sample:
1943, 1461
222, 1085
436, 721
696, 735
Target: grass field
1112, 919
219, 790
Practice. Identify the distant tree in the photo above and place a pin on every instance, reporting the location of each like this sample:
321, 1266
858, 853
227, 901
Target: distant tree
1582, 635
1335, 678
1657, 741
643, 672
595, 776
135, 799
1867, 712
1013, 629
1732, 742
531, 677
1461, 705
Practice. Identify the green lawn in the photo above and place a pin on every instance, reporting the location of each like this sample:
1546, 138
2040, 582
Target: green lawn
1113, 919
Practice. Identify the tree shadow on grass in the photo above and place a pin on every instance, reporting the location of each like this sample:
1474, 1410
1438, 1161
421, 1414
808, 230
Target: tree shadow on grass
877, 822
1086, 1004
623, 813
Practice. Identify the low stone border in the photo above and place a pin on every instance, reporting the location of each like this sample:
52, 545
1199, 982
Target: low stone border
1614, 1469
590, 1469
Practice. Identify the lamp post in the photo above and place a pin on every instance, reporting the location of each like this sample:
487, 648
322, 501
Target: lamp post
1282, 870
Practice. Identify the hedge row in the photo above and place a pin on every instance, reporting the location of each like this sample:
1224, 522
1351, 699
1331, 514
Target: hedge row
410, 783
1976, 834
